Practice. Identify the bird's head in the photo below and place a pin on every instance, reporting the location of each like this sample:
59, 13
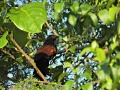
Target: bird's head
51, 40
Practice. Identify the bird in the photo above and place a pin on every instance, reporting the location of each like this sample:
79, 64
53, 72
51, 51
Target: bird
44, 54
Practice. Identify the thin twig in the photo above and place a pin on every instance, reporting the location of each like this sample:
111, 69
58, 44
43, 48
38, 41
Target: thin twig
29, 59
78, 48
4, 51
51, 29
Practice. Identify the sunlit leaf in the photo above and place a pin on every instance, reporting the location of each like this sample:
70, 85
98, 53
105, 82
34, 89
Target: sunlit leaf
118, 25
118, 55
94, 44
3, 40
76, 70
65, 38
61, 76
69, 84
67, 64
88, 86
49, 87
104, 16
93, 18
87, 75
87, 49
113, 46
58, 7
109, 4
30, 17
100, 54
75, 7
56, 16
116, 75
85, 8
112, 13
72, 49
72, 20
62, 88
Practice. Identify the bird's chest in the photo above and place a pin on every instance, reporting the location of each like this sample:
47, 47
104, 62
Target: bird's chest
47, 49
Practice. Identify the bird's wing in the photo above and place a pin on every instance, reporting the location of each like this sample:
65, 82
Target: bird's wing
47, 49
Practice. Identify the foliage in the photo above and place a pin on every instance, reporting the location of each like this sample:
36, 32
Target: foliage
88, 53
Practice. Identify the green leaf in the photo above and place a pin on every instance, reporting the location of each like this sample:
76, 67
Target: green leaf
72, 20
76, 70
87, 21
116, 74
87, 73
75, 7
104, 16
112, 13
56, 16
49, 87
113, 46
93, 18
88, 86
30, 17
61, 76
100, 55
3, 40
67, 64
87, 49
94, 45
72, 49
102, 76
118, 55
65, 38
62, 88
85, 8
118, 25
58, 7
20, 37
56, 71
69, 84
109, 4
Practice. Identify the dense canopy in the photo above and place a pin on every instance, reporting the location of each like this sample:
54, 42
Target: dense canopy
88, 55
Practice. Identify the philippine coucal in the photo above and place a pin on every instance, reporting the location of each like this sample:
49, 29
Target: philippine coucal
44, 54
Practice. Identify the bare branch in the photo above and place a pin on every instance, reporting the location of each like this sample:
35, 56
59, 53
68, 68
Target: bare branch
4, 51
51, 29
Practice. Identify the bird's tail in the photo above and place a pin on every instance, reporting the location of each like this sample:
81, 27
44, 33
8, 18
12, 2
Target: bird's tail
42, 62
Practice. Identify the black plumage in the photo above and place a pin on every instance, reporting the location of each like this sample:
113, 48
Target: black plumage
44, 54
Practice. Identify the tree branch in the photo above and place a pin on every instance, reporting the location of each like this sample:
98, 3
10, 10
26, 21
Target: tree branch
78, 48
29, 59
51, 29
4, 51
